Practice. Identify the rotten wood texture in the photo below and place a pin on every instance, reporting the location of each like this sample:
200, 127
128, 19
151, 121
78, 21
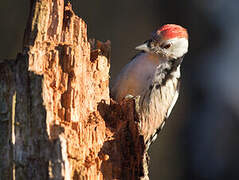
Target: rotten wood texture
56, 117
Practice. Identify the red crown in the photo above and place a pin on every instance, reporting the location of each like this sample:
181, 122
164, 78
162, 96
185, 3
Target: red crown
170, 31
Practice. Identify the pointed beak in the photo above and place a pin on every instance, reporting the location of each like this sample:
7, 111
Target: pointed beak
143, 47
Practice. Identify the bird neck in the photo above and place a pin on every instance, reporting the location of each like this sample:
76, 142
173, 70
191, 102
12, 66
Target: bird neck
167, 70
174, 63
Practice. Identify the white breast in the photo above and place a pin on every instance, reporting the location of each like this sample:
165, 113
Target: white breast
156, 106
135, 77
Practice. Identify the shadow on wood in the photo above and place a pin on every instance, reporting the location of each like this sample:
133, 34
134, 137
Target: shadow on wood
56, 110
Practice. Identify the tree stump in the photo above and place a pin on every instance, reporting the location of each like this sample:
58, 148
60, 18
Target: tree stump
56, 117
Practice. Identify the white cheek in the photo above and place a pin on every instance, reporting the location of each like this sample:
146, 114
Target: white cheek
179, 47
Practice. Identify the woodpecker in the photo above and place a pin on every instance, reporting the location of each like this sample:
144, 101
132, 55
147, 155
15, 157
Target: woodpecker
154, 76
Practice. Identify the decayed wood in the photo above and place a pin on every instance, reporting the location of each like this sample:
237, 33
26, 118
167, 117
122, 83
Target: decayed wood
72, 87
55, 106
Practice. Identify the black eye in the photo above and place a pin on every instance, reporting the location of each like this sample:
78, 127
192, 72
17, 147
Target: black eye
166, 46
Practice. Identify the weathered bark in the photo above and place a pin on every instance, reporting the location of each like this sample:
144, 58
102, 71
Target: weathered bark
56, 117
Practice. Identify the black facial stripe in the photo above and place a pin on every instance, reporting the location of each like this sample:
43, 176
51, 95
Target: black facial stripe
168, 72
164, 72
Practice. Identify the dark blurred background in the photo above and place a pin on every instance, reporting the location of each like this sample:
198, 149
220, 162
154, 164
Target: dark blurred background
201, 139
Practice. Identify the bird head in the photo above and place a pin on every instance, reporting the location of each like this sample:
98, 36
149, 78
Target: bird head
170, 41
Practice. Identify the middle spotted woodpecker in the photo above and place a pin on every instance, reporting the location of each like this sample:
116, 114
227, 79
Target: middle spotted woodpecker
154, 76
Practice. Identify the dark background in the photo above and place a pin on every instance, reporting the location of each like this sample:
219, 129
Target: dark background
201, 139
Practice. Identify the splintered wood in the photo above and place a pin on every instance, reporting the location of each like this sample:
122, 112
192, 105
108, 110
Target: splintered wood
73, 86
59, 120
